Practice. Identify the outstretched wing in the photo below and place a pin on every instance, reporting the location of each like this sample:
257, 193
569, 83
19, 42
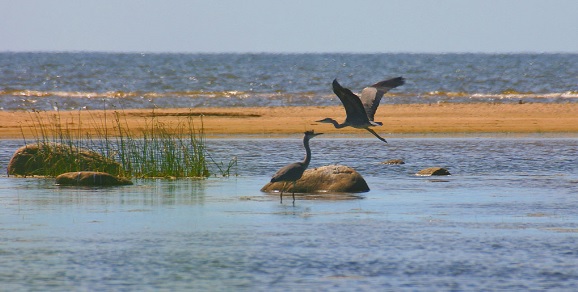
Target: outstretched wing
371, 95
353, 107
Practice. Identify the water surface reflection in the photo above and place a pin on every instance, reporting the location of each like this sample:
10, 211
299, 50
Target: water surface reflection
504, 220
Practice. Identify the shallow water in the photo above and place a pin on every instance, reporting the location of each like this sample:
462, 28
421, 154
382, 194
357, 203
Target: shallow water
505, 219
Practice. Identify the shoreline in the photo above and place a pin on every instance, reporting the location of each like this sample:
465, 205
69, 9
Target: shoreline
446, 119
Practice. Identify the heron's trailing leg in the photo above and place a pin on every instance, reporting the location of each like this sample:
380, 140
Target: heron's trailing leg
375, 134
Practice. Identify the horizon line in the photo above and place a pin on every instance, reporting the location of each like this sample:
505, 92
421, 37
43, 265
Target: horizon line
287, 52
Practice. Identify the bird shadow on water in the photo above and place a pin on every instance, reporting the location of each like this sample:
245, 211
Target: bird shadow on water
309, 205
325, 196
306, 205
319, 196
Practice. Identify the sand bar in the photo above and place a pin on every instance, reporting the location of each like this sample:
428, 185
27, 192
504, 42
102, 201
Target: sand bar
449, 119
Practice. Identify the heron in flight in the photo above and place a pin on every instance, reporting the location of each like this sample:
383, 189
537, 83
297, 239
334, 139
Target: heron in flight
294, 171
360, 111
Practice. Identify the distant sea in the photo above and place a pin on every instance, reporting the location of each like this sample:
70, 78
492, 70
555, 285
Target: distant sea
80, 80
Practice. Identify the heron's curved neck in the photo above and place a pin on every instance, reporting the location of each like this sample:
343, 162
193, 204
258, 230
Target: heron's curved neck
307, 152
338, 125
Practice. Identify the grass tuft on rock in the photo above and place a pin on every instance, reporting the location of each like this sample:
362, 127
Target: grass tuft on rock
156, 149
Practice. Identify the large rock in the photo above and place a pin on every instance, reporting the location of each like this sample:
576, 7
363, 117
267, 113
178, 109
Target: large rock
51, 159
433, 171
330, 178
90, 178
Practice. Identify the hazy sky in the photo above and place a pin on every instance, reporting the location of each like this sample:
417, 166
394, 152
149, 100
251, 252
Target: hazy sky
290, 25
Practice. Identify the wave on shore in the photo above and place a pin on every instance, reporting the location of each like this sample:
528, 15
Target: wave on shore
70, 100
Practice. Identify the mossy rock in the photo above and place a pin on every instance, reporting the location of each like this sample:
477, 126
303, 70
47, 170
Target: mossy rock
52, 159
90, 178
433, 171
329, 178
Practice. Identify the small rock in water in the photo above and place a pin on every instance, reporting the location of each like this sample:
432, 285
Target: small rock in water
433, 171
394, 162
90, 178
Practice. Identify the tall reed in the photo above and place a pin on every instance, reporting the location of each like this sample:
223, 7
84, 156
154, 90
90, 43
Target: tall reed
164, 150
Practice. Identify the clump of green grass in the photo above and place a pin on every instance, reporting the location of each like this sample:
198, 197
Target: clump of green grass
163, 151
159, 150
225, 170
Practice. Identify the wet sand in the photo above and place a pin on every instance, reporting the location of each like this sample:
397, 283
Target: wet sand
445, 119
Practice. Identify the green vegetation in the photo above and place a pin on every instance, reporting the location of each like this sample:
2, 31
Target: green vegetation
157, 150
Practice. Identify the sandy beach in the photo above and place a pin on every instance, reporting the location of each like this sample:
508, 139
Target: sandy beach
449, 119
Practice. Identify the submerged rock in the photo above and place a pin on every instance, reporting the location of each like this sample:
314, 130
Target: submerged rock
394, 162
433, 171
90, 178
54, 158
329, 178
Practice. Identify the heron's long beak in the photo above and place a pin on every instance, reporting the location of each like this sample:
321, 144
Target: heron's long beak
317, 134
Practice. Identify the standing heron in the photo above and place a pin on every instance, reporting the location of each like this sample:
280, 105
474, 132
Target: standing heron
294, 171
360, 111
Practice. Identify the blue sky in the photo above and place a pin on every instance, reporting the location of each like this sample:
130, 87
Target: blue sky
280, 26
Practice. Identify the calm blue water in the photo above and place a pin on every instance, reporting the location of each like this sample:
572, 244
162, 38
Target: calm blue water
45, 81
504, 220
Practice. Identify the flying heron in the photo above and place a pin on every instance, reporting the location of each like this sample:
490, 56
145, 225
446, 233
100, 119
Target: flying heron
292, 172
361, 111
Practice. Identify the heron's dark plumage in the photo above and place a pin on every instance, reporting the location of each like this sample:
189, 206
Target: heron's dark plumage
294, 171
360, 111
291, 172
